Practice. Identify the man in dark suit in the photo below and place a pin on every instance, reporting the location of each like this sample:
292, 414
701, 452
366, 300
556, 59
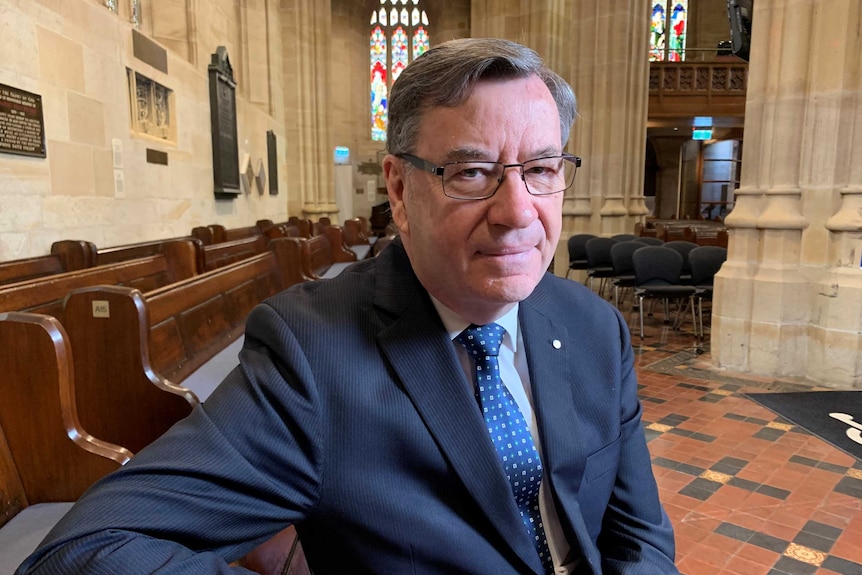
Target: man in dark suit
362, 406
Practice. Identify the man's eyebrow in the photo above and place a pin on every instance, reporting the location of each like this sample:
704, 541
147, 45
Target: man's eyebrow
467, 154
476, 154
545, 152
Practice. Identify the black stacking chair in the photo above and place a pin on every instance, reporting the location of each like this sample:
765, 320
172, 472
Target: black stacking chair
599, 264
684, 248
624, 270
657, 276
577, 245
623, 237
649, 241
705, 263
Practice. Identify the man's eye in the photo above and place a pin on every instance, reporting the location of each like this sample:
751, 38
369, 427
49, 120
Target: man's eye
470, 172
538, 170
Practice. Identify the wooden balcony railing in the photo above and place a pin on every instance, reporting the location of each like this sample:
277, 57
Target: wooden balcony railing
698, 89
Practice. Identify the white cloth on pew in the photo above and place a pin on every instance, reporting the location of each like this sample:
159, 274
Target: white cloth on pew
206, 378
25, 531
336, 269
361, 250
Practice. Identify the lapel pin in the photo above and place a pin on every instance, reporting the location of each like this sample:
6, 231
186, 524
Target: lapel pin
557, 344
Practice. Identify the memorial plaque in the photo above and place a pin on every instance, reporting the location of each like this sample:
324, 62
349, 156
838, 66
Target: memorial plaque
272, 161
22, 127
223, 126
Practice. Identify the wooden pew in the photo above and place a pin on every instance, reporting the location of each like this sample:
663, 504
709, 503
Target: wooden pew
217, 233
325, 256
204, 234
265, 224
65, 256
145, 343
674, 232
357, 237
644, 231
381, 215
284, 230
122, 253
177, 261
305, 227
228, 252
389, 234
46, 457
242, 233
56, 459
711, 237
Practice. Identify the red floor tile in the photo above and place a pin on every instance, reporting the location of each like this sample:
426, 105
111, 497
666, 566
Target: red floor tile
770, 499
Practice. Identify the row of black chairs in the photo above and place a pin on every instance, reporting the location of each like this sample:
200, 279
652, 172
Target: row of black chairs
658, 276
666, 271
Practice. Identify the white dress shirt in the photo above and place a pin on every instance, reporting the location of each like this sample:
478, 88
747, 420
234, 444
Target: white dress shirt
516, 377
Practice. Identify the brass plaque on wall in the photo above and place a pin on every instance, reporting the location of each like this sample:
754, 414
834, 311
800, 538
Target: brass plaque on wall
22, 127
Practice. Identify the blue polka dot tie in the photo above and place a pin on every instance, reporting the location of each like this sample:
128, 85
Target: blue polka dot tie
509, 432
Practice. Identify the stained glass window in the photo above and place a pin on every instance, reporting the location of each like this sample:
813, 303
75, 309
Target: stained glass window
399, 52
379, 85
667, 30
397, 36
420, 41
678, 20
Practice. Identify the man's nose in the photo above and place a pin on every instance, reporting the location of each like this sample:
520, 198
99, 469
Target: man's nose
512, 205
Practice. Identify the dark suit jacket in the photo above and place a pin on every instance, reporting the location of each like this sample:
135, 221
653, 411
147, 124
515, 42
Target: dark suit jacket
350, 417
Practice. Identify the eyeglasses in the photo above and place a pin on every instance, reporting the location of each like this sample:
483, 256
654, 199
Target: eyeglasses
481, 180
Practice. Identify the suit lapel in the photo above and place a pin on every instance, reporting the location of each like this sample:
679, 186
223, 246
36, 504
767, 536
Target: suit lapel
553, 357
419, 349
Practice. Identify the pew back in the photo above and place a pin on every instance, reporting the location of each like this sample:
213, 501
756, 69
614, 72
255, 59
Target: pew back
321, 252
45, 295
192, 320
224, 253
131, 347
65, 256
127, 252
241, 233
354, 234
55, 458
12, 497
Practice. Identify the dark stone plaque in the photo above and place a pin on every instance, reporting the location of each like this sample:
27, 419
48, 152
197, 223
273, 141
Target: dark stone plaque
223, 126
157, 157
272, 161
22, 127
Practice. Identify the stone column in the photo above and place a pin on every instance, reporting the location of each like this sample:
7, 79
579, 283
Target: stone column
306, 45
601, 48
787, 300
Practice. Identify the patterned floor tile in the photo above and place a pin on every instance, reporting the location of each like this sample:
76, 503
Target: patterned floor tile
749, 493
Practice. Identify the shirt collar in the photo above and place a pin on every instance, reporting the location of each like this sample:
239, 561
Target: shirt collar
455, 324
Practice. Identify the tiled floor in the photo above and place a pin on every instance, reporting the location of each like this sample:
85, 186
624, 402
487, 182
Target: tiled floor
748, 492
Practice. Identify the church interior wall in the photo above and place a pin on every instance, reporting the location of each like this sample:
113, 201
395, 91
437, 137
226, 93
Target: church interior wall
50, 49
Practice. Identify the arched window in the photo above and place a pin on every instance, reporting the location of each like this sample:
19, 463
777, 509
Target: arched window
667, 30
399, 33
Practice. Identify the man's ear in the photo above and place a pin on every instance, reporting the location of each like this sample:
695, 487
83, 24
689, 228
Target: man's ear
394, 175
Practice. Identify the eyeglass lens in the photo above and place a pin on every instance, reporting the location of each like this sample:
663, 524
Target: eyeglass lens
480, 179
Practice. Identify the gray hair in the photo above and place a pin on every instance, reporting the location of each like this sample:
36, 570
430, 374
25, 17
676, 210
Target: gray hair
446, 75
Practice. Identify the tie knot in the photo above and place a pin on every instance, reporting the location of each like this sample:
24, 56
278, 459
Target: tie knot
482, 340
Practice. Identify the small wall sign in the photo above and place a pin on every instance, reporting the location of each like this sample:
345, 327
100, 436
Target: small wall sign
22, 127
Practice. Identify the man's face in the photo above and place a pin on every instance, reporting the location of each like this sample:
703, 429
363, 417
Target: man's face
479, 257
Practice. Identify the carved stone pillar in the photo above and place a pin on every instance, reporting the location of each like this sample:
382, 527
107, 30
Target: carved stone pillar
787, 300
306, 47
602, 50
